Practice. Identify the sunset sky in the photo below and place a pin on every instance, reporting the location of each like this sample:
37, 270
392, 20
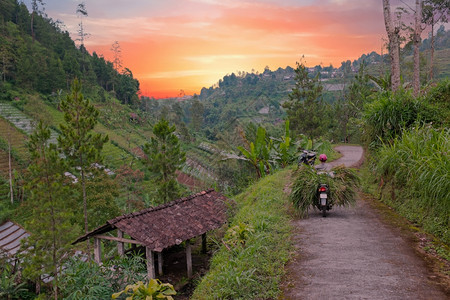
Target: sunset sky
175, 45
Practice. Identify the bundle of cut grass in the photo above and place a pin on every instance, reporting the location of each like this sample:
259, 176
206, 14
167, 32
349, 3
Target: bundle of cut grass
341, 187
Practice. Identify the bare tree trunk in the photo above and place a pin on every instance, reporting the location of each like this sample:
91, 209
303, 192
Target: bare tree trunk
32, 27
10, 167
394, 47
417, 40
381, 61
4, 68
86, 227
432, 48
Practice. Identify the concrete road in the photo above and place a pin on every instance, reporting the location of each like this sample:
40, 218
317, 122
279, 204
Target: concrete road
352, 254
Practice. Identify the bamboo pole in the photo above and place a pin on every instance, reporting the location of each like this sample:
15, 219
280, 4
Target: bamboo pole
120, 245
97, 250
160, 263
189, 258
150, 263
204, 243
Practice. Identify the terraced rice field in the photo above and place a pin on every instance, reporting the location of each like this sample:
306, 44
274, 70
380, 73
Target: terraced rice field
114, 155
22, 126
21, 120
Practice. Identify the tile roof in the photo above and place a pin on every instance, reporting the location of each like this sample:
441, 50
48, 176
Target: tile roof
10, 236
171, 223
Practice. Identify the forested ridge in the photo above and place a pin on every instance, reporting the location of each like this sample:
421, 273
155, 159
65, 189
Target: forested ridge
129, 152
38, 54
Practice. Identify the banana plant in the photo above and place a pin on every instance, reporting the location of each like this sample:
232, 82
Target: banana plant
285, 151
258, 154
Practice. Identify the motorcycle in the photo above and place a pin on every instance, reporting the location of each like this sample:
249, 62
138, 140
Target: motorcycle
307, 157
323, 202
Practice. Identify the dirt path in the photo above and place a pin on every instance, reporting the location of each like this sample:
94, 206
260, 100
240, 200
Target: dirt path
351, 254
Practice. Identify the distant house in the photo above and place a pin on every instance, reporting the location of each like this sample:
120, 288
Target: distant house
11, 235
134, 118
264, 111
139, 153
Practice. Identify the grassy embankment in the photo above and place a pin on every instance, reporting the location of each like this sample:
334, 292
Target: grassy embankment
250, 261
413, 176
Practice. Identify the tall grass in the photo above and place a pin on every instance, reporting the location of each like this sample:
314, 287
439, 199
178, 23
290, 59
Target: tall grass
250, 262
386, 118
418, 166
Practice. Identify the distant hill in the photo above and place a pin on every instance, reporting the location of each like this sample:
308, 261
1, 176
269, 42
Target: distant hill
46, 59
258, 97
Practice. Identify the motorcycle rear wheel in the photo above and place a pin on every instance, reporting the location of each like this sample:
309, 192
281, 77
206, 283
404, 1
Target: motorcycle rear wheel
324, 211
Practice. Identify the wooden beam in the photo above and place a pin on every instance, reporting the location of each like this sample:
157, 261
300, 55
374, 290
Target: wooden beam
150, 263
120, 245
204, 243
117, 239
97, 250
189, 258
160, 263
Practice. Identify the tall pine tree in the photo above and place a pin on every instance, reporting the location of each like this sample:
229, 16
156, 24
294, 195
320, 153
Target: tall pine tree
305, 109
164, 157
50, 195
81, 147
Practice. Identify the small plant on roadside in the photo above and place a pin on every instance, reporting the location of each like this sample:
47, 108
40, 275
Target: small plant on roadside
238, 234
153, 290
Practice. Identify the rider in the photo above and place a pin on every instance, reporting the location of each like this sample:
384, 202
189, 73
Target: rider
322, 166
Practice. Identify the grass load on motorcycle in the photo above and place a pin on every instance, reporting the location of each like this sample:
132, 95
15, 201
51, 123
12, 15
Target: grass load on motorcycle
317, 186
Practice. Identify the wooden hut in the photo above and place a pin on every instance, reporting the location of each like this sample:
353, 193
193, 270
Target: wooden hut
164, 226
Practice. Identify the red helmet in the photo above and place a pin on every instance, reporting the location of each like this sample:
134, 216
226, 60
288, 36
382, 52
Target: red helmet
322, 157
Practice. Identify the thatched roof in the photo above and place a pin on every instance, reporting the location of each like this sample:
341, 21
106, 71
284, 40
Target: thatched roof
171, 223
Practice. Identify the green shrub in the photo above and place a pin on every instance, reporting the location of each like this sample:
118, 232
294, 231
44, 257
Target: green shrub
88, 280
439, 96
385, 118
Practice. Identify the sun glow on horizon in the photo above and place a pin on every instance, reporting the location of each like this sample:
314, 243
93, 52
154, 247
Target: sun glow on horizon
189, 44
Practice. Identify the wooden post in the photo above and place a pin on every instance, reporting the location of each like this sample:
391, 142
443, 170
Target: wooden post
204, 243
150, 263
97, 250
120, 245
189, 258
160, 263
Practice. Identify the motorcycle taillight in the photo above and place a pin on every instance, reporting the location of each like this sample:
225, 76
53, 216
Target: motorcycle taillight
322, 189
